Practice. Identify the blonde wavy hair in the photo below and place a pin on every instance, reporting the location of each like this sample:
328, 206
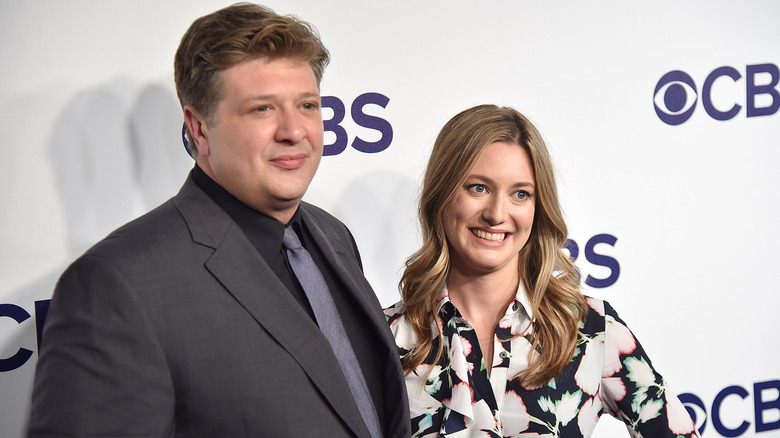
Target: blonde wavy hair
547, 274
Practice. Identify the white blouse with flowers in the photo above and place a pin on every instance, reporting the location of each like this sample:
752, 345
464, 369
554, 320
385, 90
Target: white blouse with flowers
610, 372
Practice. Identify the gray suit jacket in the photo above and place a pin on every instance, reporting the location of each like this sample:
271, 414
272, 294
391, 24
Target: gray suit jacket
174, 325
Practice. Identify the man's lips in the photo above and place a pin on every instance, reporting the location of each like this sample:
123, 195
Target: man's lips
290, 161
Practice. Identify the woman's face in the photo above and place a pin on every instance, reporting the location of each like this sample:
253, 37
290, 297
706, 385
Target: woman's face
490, 217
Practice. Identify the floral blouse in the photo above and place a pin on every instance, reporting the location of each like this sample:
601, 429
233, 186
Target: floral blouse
609, 373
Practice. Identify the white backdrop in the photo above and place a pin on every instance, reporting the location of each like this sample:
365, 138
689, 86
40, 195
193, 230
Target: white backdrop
675, 223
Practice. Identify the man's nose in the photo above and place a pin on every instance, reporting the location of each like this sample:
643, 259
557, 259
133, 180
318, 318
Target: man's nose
290, 127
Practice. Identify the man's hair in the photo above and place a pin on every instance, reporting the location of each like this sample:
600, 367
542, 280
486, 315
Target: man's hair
232, 35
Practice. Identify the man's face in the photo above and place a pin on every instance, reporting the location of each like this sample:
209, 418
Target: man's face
266, 137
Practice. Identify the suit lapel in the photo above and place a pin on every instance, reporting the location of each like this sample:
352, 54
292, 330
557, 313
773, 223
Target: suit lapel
357, 287
247, 277
339, 254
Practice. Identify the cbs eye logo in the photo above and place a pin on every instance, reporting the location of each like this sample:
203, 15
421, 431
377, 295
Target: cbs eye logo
675, 96
729, 412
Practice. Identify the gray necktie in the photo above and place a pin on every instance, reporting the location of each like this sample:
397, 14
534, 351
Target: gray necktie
310, 278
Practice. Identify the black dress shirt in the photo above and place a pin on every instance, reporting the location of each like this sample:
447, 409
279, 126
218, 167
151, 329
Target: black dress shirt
265, 234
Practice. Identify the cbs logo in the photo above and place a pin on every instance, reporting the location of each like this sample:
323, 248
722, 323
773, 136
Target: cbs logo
676, 95
597, 259
729, 411
361, 118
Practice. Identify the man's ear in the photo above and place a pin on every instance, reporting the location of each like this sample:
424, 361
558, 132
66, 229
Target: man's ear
199, 129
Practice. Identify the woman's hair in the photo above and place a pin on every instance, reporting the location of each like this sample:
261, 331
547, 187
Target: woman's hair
547, 274
232, 35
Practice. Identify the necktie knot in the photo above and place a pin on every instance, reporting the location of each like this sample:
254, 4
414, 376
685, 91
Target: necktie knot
290, 239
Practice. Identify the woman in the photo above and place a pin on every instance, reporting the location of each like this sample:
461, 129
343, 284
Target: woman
491, 281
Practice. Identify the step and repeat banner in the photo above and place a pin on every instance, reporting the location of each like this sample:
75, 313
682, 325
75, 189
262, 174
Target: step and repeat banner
662, 118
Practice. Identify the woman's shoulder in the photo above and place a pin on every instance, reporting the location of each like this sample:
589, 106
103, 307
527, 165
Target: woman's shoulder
600, 312
402, 329
396, 309
599, 307
396, 316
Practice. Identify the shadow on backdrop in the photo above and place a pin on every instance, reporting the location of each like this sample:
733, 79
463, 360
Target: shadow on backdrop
114, 156
380, 210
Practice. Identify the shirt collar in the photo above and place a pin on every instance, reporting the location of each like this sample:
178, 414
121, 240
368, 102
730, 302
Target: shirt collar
263, 231
521, 303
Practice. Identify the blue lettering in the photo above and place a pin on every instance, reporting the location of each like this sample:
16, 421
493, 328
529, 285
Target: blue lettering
333, 125
41, 310
716, 423
675, 94
22, 355
371, 122
573, 248
706, 97
753, 90
601, 260
761, 405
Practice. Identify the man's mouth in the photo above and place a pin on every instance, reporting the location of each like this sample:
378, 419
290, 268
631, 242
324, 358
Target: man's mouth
290, 161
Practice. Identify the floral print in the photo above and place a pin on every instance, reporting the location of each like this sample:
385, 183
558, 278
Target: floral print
610, 373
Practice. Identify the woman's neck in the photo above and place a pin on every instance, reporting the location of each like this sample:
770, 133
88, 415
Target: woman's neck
483, 299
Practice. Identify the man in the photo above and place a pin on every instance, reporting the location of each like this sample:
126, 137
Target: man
193, 320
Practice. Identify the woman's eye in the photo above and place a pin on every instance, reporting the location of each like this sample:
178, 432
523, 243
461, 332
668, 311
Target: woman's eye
477, 188
522, 195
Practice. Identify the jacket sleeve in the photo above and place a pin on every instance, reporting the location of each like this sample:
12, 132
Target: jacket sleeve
634, 392
101, 371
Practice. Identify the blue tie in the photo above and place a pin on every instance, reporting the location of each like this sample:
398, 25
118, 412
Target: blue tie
313, 284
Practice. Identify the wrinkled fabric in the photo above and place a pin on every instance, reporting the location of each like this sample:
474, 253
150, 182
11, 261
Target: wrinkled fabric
610, 372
